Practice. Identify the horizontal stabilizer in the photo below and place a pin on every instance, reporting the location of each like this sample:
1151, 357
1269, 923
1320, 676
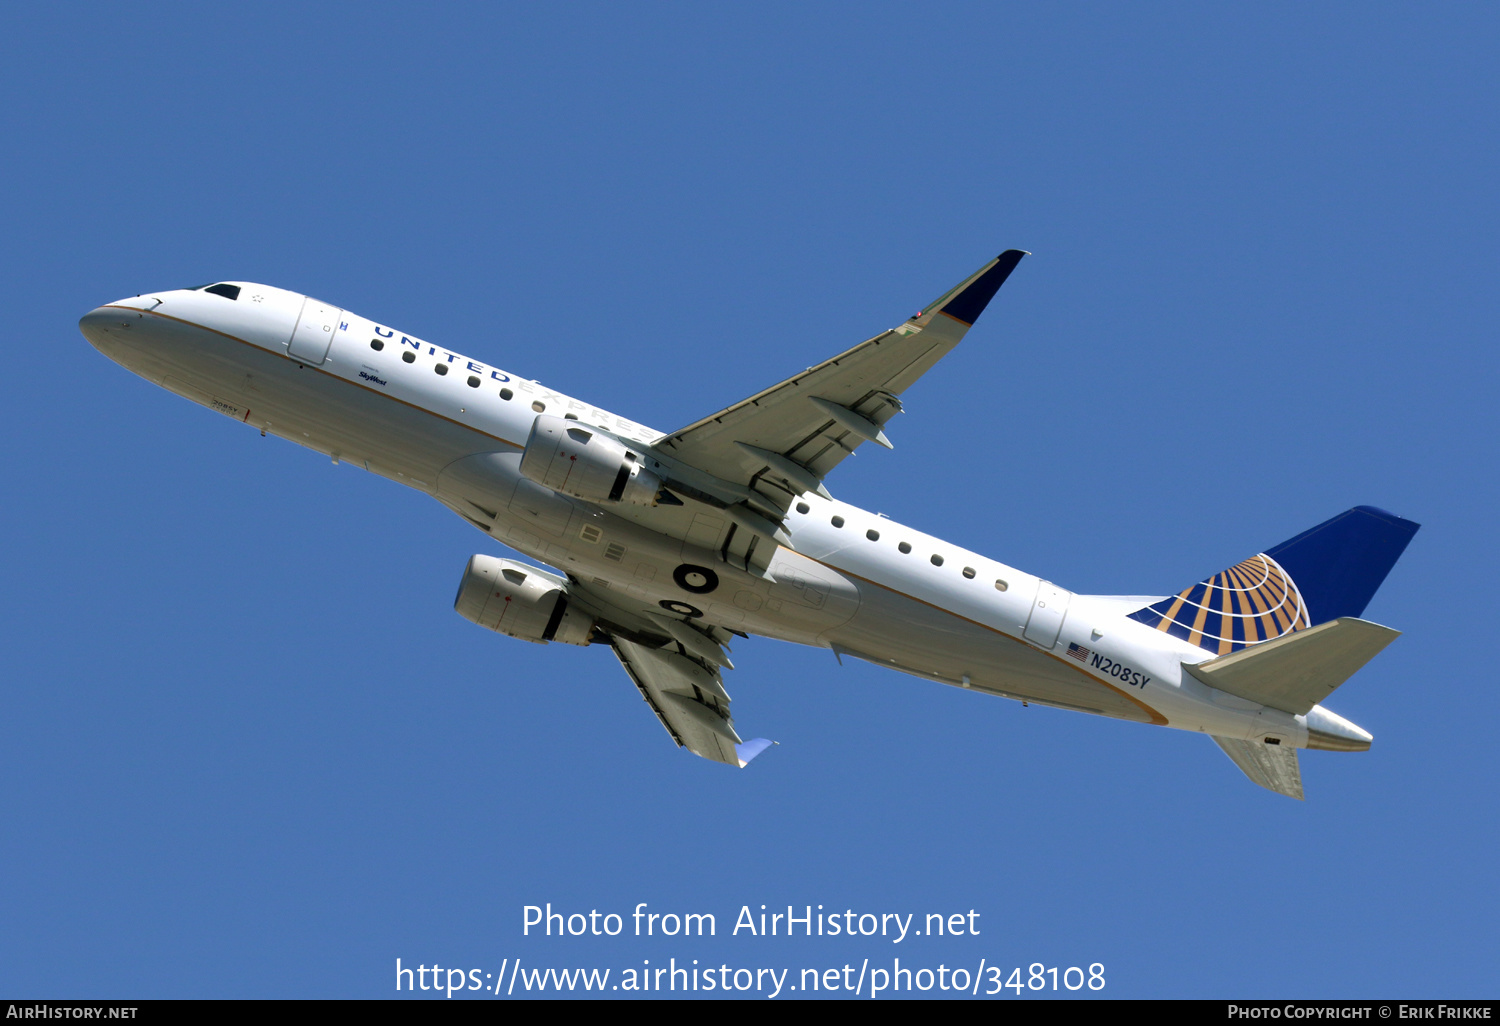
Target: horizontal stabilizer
1295, 672
1273, 767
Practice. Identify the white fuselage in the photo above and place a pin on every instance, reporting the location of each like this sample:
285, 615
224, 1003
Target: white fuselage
851, 581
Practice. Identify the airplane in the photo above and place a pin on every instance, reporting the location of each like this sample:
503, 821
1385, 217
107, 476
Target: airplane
668, 546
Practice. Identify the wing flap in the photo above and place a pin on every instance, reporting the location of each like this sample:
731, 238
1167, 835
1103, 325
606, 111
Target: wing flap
1296, 671
689, 699
1273, 767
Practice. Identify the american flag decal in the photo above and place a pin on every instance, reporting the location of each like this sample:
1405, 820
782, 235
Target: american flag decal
1078, 652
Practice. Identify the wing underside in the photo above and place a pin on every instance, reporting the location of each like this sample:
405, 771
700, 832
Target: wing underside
677, 667
689, 699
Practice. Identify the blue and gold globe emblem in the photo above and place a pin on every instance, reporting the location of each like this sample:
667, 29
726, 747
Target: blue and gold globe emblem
1251, 602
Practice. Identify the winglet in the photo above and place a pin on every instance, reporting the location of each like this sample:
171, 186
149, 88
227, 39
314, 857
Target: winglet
967, 301
748, 750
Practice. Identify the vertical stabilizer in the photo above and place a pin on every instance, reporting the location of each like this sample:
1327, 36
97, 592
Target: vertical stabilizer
1326, 573
1341, 563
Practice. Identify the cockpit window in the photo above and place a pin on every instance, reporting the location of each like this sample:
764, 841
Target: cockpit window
224, 289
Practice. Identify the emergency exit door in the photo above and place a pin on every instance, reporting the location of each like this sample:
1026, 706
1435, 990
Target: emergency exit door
1047, 612
314, 332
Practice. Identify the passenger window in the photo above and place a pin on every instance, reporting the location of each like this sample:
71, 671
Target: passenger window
1001, 586
473, 381
904, 546
802, 507
409, 356
539, 406
838, 521
937, 560
969, 572
873, 535
226, 290
506, 394
570, 416
376, 344
440, 368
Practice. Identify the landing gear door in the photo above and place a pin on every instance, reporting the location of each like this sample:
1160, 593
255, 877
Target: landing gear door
314, 332
1047, 613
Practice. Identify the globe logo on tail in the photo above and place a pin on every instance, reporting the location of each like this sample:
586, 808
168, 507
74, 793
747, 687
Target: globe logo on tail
1253, 601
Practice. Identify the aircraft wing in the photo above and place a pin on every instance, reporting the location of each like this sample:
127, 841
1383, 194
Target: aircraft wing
676, 666
782, 442
689, 699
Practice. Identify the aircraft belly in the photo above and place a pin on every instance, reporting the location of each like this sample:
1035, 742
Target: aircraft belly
895, 630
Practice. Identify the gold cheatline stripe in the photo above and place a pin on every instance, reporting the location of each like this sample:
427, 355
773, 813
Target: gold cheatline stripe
1157, 718
311, 367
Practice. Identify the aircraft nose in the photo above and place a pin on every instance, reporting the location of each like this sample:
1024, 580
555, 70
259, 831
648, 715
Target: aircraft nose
112, 322
96, 325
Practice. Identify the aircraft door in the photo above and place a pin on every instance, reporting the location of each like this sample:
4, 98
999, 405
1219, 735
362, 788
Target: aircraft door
1047, 612
314, 331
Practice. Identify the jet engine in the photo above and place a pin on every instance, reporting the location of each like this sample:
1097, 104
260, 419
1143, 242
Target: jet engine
519, 600
586, 463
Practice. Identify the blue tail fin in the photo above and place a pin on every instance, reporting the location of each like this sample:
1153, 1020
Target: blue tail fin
1330, 571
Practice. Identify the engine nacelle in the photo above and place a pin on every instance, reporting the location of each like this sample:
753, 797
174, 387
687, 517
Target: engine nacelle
519, 600
581, 461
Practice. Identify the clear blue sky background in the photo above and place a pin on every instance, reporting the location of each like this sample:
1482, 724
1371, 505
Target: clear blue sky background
249, 750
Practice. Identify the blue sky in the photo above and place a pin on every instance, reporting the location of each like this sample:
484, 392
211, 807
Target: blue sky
251, 751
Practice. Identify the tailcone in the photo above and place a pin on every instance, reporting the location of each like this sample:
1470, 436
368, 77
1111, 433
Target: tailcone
1330, 732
